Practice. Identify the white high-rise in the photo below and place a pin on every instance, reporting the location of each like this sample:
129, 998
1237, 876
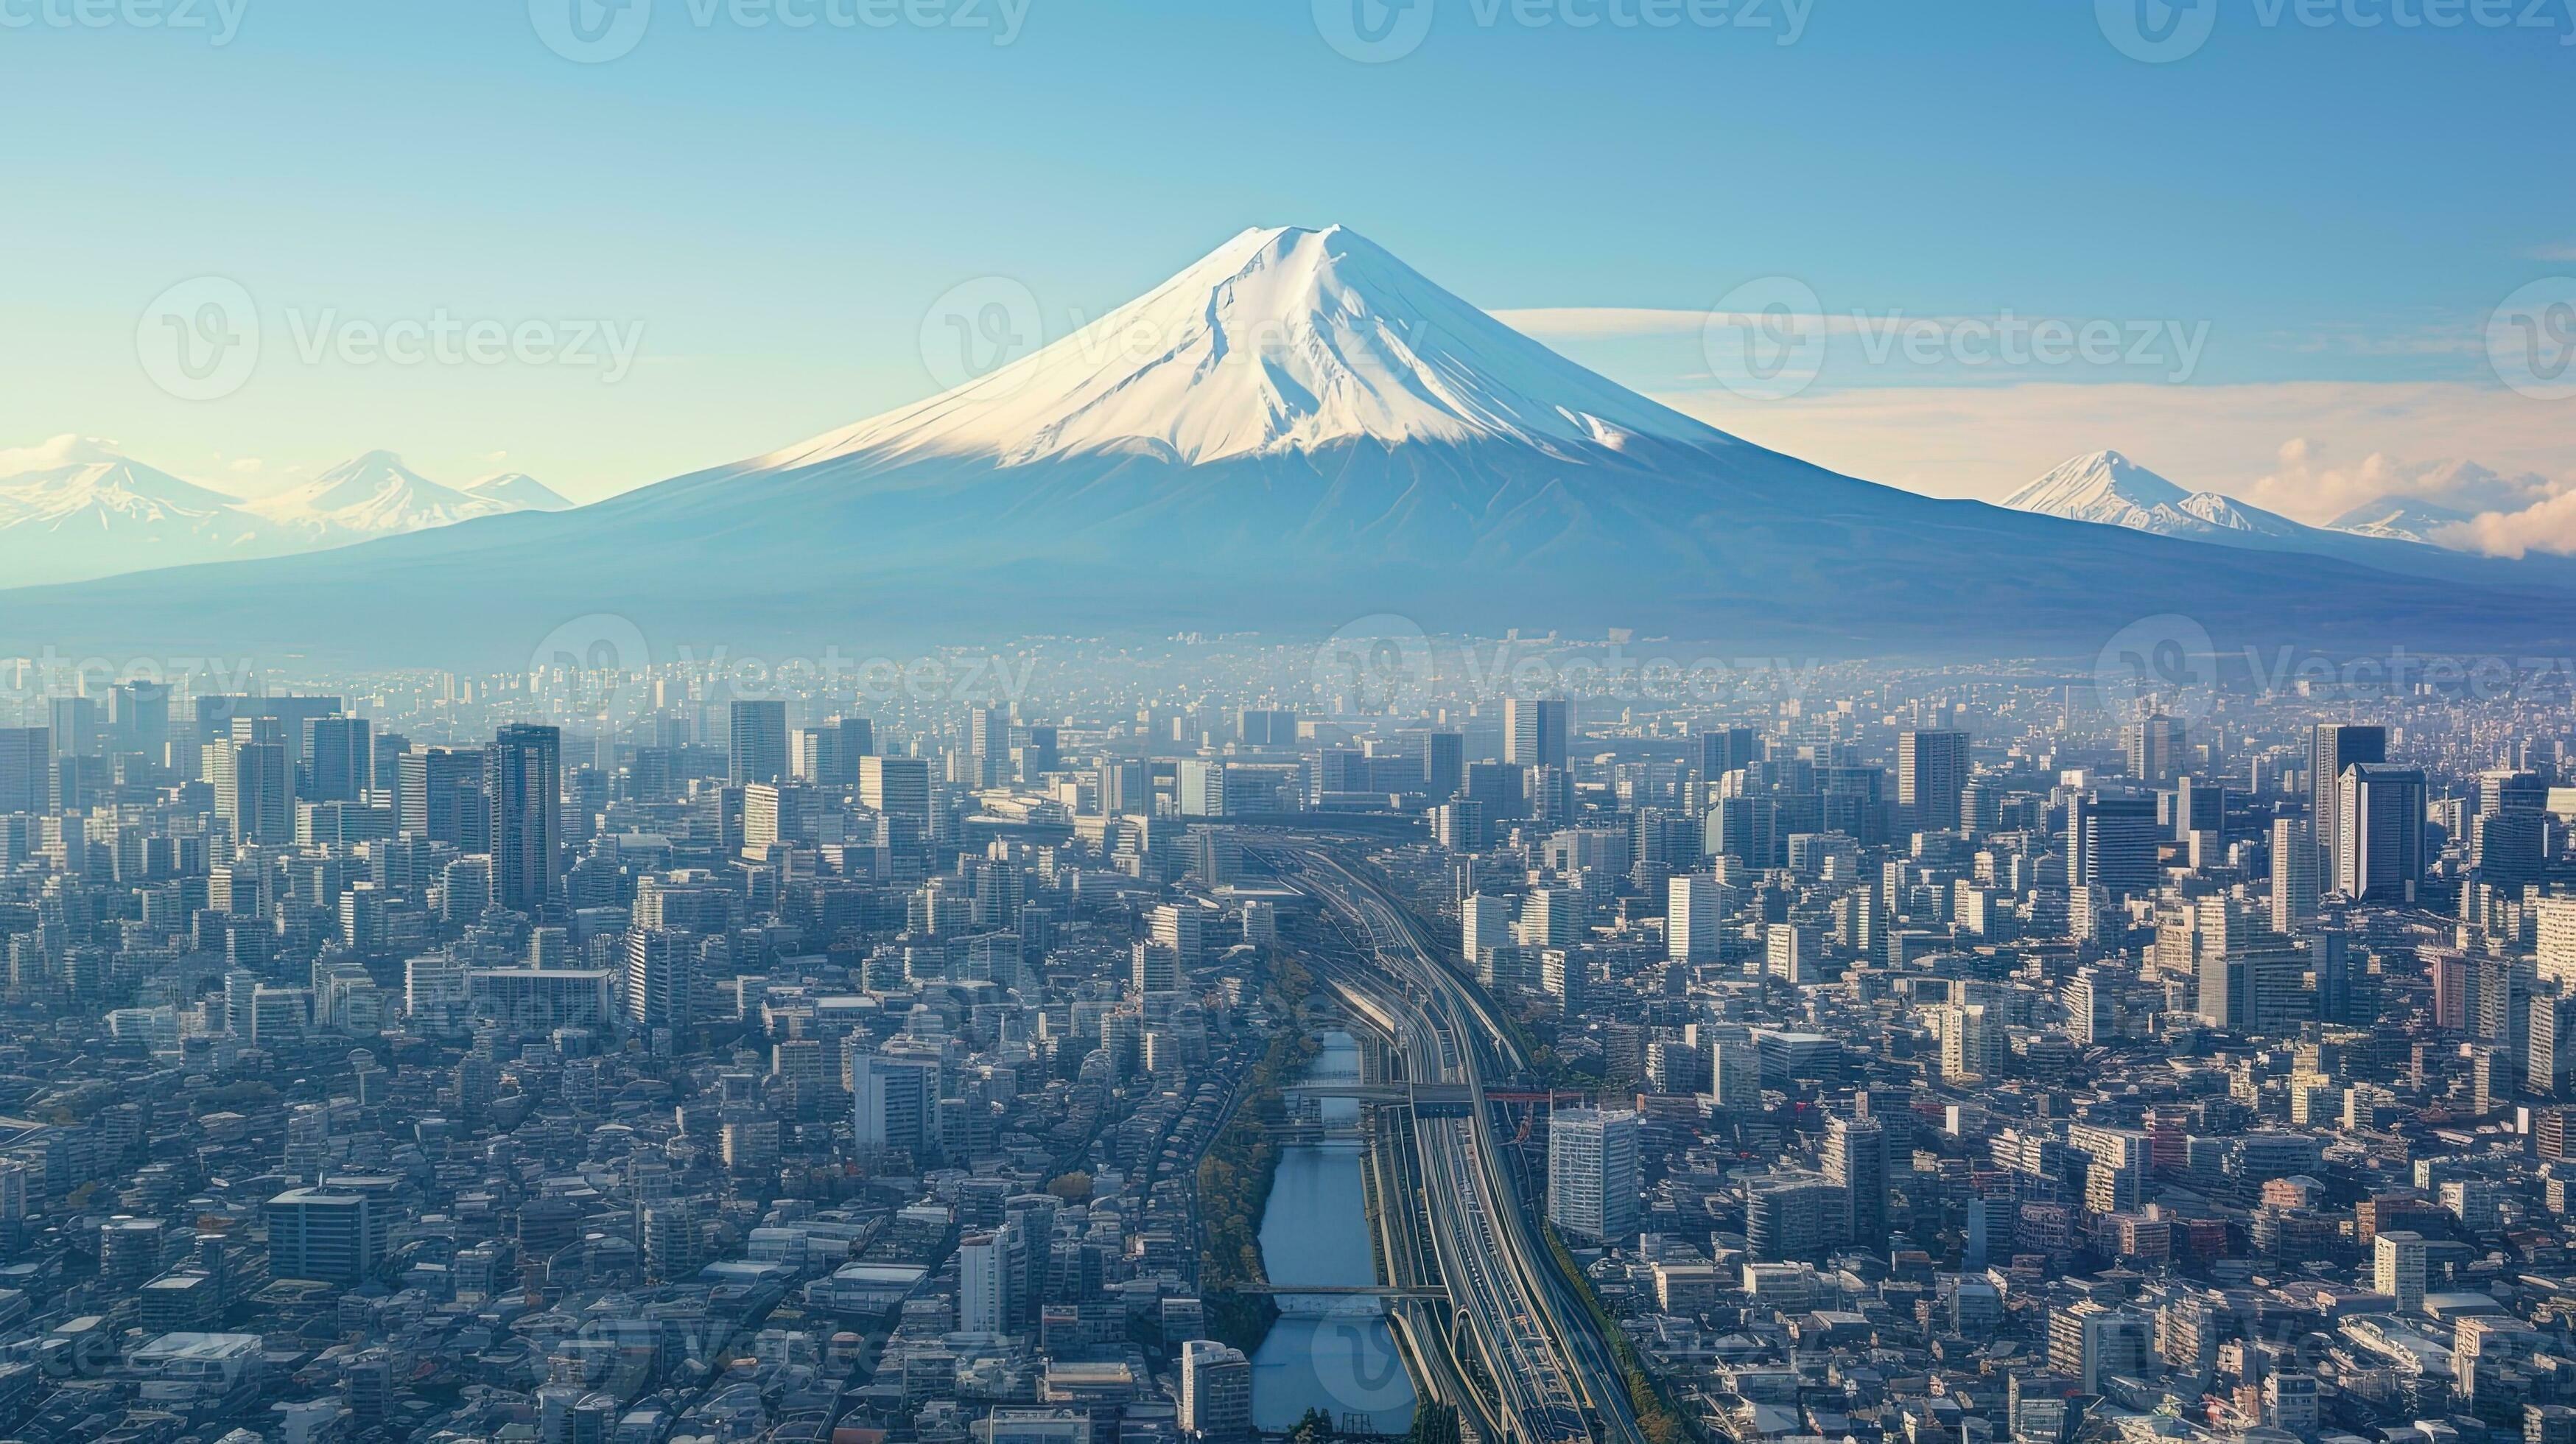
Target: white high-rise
1691, 909
1592, 1173
981, 1267
2294, 873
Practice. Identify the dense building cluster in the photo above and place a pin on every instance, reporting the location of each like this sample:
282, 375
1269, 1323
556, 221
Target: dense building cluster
1924, 1053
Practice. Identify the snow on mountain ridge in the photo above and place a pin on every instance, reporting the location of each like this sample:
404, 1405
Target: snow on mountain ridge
1280, 340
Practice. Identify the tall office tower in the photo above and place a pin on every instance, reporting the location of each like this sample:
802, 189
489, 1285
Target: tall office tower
2379, 842
1691, 927
2093, 1007
1856, 1157
1485, 923
254, 791
2155, 749
2199, 805
661, 978
1216, 1392
139, 718
328, 1237
1725, 750
24, 752
2549, 1043
828, 756
758, 745
440, 793
896, 786
982, 1264
1931, 772
2509, 789
895, 1101
523, 787
2294, 873
1126, 786
1178, 926
988, 731
1199, 785
2509, 848
339, 759
2335, 749
1265, 727
1536, 732
2555, 919
1154, 968
1592, 1172
1444, 764
75, 726
2249, 978
2111, 844
2397, 1268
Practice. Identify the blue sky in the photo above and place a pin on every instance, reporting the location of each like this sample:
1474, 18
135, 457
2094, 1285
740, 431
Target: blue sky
2333, 207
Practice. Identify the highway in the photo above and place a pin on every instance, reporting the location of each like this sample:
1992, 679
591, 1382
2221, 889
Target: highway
1550, 1372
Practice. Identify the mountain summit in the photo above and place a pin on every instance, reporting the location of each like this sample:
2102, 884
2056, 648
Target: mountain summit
1294, 431
1280, 340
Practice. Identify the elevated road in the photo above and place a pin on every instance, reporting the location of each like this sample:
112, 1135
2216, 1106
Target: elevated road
1549, 1376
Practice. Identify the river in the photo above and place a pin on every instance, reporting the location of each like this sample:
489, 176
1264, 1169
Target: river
1334, 1353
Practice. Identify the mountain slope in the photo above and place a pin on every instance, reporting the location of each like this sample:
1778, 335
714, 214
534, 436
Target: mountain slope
371, 495
1296, 431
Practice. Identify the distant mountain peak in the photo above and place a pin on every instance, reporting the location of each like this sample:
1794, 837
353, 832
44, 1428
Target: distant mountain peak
518, 491
2099, 486
1281, 340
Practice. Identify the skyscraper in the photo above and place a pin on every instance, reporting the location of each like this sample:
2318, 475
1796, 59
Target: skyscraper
523, 788
758, 743
2155, 749
896, 786
2379, 842
1856, 1157
440, 793
23, 753
1691, 909
1536, 731
339, 759
1726, 750
2111, 844
1592, 1172
2335, 748
1931, 772
2294, 873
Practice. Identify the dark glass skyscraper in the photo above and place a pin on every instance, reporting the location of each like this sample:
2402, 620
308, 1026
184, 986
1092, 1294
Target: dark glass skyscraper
523, 787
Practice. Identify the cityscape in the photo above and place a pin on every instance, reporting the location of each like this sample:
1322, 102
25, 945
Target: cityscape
1257, 851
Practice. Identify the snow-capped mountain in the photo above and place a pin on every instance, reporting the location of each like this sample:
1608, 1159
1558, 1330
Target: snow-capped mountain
1298, 430
75, 508
376, 495
2400, 518
2110, 489
515, 491
1279, 341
